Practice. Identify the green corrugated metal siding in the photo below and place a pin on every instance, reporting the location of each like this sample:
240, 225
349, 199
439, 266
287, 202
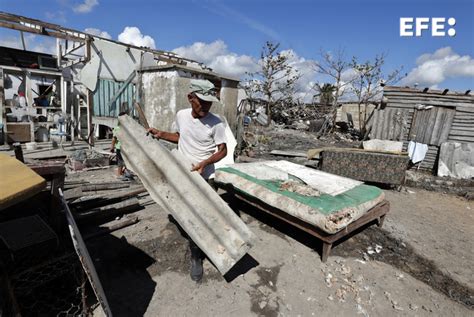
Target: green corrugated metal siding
104, 91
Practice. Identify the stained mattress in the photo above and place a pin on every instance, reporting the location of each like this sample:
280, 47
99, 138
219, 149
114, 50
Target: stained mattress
325, 200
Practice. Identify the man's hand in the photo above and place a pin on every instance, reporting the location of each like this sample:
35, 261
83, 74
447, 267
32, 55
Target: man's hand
198, 167
112, 149
154, 132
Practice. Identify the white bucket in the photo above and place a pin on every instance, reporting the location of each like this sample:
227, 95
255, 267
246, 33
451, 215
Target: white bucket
31, 146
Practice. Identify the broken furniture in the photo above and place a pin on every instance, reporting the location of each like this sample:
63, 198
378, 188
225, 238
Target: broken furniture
327, 206
368, 166
38, 277
54, 173
198, 209
17, 181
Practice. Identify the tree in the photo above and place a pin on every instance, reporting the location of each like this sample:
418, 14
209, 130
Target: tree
366, 84
334, 66
325, 93
275, 80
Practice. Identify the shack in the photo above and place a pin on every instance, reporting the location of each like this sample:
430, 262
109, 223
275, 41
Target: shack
426, 116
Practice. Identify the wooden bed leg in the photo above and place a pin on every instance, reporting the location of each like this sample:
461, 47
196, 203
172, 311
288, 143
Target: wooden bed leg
380, 221
326, 250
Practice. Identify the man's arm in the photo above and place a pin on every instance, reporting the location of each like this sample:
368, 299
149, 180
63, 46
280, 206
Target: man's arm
214, 158
167, 136
112, 146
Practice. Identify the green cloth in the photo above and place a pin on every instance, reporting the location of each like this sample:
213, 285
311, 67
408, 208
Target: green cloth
118, 144
325, 203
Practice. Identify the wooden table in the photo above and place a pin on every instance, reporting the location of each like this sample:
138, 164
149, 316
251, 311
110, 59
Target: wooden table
374, 215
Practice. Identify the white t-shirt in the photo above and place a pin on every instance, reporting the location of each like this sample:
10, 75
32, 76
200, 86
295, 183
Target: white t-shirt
198, 138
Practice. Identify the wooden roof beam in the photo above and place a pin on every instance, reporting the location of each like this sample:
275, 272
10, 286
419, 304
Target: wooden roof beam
41, 31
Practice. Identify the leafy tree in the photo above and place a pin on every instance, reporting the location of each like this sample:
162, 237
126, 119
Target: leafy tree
325, 93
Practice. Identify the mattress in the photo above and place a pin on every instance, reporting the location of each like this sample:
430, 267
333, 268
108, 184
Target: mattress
327, 201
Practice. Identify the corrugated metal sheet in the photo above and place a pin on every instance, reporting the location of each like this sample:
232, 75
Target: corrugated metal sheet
431, 126
462, 128
450, 119
390, 124
104, 92
200, 211
431, 159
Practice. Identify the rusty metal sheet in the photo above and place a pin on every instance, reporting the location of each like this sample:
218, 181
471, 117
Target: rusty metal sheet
200, 211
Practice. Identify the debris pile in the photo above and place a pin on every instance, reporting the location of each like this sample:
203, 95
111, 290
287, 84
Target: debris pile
299, 115
81, 159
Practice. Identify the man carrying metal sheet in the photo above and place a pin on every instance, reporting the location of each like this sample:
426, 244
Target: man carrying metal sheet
200, 136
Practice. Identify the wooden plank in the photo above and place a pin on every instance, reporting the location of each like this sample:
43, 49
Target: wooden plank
104, 186
122, 224
112, 210
437, 126
447, 126
60, 35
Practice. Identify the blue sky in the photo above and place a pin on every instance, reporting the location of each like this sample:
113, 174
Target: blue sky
232, 33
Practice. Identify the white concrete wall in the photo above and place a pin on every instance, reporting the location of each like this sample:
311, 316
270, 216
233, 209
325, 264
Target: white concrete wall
165, 92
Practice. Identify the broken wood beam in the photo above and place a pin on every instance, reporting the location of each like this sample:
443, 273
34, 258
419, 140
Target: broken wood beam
104, 186
90, 202
109, 210
125, 223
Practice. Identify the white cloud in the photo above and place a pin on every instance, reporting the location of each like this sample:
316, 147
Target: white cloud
133, 35
94, 31
306, 70
434, 68
85, 7
217, 56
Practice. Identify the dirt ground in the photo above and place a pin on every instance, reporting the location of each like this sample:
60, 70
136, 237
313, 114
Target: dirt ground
418, 264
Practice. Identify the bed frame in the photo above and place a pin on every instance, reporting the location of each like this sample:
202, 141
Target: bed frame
375, 215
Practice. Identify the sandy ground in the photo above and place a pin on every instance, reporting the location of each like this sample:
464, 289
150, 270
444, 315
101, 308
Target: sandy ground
424, 265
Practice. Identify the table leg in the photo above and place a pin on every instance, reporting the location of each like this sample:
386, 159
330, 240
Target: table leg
326, 250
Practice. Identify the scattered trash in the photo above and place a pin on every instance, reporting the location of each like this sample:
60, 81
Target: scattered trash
413, 307
329, 280
378, 248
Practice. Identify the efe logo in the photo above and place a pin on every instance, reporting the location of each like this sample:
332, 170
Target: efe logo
420, 25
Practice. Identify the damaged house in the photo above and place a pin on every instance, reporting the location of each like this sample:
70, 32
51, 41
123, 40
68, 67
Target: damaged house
78, 93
